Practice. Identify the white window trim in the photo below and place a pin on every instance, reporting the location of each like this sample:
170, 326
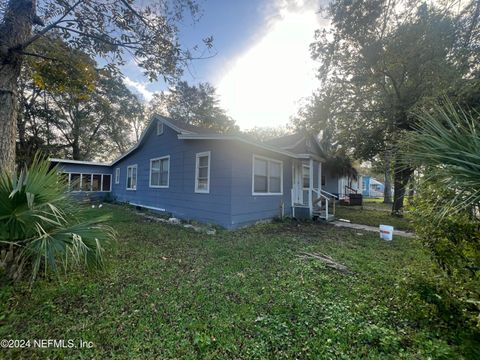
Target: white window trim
160, 125
150, 173
91, 181
268, 177
117, 175
197, 164
136, 177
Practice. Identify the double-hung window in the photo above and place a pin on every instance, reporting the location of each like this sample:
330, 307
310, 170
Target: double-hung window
117, 176
267, 176
202, 172
132, 177
160, 172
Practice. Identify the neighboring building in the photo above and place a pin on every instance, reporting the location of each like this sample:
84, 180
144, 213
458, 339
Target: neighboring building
195, 174
371, 187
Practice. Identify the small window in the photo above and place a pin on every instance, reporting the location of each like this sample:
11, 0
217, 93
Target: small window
132, 177
159, 128
324, 181
202, 172
117, 176
160, 172
267, 176
106, 181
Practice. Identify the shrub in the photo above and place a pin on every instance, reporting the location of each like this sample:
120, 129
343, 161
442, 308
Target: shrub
41, 228
445, 214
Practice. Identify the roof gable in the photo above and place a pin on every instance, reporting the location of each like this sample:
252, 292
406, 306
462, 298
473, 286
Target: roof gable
177, 126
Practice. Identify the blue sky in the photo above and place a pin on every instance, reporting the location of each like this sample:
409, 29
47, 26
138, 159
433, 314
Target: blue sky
262, 67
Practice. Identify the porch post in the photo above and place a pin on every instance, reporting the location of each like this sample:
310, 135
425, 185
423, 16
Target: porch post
319, 177
310, 189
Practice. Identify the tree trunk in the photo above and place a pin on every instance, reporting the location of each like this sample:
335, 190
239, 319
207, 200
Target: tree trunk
14, 31
387, 191
402, 175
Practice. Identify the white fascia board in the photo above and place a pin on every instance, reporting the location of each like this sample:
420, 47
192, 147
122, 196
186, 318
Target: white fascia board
79, 162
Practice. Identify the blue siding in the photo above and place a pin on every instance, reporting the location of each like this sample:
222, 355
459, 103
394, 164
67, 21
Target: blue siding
245, 207
179, 198
331, 184
230, 202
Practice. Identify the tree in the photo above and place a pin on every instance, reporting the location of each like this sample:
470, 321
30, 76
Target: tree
266, 133
380, 61
194, 105
112, 30
71, 108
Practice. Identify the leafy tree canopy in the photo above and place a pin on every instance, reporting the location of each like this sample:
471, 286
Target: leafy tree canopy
380, 61
194, 105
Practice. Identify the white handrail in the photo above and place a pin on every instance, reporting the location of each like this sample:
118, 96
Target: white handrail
326, 192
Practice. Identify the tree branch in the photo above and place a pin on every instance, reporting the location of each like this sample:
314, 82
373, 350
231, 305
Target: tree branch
48, 28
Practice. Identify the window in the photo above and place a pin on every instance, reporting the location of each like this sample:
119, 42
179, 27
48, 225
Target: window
86, 184
117, 176
160, 172
202, 172
96, 182
74, 182
159, 128
89, 182
132, 177
324, 180
106, 182
267, 176
306, 176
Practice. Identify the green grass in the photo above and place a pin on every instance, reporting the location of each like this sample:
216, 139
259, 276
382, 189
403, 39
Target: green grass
372, 216
171, 293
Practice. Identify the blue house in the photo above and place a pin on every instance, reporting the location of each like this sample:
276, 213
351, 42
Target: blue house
372, 187
196, 174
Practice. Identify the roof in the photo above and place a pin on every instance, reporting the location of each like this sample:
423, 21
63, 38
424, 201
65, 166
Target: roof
298, 143
287, 141
241, 139
281, 145
79, 162
184, 127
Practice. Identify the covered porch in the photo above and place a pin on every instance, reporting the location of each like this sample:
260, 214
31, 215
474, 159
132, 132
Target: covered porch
309, 200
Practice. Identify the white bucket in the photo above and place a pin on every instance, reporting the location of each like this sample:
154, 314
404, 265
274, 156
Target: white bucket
386, 232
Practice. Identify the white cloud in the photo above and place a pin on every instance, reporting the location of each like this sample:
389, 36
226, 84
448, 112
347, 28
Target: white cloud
138, 87
263, 85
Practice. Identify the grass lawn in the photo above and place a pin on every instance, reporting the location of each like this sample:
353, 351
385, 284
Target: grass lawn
371, 216
169, 292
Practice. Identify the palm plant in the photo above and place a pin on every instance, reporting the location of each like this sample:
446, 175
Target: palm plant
446, 145
41, 228
445, 213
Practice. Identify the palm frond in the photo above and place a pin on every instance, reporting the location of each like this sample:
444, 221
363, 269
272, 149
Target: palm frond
45, 225
446, 144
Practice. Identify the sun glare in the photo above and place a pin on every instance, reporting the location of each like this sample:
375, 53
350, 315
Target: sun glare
263, 85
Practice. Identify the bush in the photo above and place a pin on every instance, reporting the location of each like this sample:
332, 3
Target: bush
41, 228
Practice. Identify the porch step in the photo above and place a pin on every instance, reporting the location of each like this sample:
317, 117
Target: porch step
323, 215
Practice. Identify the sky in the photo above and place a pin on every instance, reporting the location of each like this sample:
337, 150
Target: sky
261, 65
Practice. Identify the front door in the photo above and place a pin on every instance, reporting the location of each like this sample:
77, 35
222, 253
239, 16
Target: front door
297, 185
